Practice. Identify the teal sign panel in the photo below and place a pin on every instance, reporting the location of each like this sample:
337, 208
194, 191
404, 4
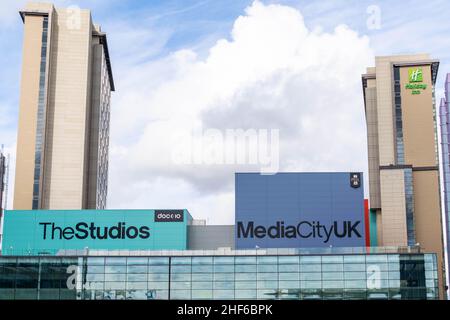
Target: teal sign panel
28, 232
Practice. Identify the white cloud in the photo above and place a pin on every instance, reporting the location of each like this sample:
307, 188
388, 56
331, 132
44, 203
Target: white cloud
273, 73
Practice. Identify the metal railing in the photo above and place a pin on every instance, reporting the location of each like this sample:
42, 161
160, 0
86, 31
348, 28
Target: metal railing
218, 252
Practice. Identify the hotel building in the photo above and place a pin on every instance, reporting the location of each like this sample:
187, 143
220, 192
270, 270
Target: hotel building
403, 153
63, 130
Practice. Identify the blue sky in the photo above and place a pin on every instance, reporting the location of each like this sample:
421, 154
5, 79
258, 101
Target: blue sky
158, 46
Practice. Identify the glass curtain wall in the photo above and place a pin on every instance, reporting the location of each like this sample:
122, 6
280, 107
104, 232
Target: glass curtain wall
376, 276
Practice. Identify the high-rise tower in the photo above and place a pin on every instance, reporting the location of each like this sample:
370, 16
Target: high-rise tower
63, 132
444, 114
403, 153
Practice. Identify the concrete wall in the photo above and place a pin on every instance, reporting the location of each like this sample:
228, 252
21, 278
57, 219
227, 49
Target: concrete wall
393, 228
68, 110
28, 107
210, 237
372, 144
385, 110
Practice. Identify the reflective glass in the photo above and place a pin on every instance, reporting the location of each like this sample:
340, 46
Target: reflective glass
202, 277
385, 276
355, 284
266, 284
332, 276
224, 276
311, 284
181, 276
115, 269
332, 259
116, 261
223, 260
288, 276
267, 276
95, 261
310, 260
181, 285
136, 285
289, 268
311, 276
158, 269
158, 261
223, 294
137, 269
137, 261
223, 285
95, 277
348, 259
354, 267
202, 260
245, 276
180, 294
137, 277
202, 285
245, 294
311, 268
181, 260
202, 268
289, 284
333, 284
245, 260
157, 285
245, 268
355, 276
245, 285
201, 294
332, 267
114, 285
288, 260
376, 258
267, 268
267, 260
181, 269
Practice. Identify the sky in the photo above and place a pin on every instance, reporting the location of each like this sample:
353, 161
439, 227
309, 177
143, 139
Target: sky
189, 72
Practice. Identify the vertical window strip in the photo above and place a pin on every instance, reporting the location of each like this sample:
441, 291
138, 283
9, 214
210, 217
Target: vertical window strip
398, 118
409, 201
40, 119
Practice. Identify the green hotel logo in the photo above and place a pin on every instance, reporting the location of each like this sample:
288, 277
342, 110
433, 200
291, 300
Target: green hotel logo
415, 84
415, 75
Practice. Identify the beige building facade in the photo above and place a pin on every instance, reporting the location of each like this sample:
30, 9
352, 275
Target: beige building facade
403, 156
64, 112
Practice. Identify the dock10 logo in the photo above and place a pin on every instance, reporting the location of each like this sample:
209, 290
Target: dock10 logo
169, 216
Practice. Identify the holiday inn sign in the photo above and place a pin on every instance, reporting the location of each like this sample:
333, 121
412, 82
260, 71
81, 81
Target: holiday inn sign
415, 76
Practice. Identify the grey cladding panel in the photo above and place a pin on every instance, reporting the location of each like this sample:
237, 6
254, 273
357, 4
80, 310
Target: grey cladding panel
210, 237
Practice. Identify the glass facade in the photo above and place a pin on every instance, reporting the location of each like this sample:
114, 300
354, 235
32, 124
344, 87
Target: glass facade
103, 137
318, 277
444, 115
409, 203
40, 126
400, 149
400, 160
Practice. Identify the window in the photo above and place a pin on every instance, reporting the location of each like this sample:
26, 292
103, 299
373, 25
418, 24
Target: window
153, 261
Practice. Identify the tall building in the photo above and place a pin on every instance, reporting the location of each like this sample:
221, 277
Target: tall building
402, 151
444, 114
63, 132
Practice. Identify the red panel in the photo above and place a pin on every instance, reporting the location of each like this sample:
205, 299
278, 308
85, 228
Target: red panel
367, 221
